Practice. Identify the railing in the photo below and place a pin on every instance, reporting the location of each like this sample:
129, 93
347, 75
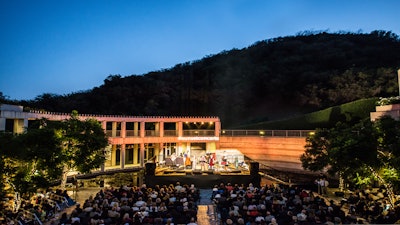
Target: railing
118, 116
196, 133
170, 133
152, 133
226, 133
132, 133
267, 133
109, 133
28, 217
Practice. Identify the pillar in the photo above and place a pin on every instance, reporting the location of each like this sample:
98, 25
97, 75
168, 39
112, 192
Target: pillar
25, 124
123, 147
180, 129
141, 154
123, 129
135, 154
142, 130
217, 128
136, 129
114, 129
157, 129
398, 79
161, 156
113, 155
161, 129
2, 124
217, 133
142, 135
104, 126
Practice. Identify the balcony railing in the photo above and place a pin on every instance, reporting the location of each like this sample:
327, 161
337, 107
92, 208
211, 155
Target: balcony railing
170, 133
152, 133
132, 133
117, 133
210, 133
267, 133
202, 133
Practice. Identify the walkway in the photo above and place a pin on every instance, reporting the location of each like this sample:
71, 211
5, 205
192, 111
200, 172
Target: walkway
205, 215
205, 212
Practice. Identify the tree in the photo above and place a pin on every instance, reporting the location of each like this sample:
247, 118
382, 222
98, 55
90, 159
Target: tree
48, 151
358, 151
388, 164
339, 149
23, 163
82, 145
5, 145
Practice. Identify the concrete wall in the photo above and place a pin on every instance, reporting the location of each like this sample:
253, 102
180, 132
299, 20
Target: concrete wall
281, 153
386, 110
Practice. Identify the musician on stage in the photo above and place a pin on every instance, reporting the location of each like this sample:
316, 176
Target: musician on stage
203, 162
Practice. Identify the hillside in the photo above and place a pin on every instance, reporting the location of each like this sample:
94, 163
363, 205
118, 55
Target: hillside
348, 112
270, 80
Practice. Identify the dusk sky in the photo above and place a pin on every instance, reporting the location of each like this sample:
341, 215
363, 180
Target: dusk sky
66, 46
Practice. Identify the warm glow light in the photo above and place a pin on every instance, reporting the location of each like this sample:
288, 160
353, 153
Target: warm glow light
261, 132
211, 122
311, 133
223, 132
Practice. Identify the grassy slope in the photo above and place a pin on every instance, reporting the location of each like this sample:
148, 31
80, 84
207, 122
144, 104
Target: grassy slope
324, 118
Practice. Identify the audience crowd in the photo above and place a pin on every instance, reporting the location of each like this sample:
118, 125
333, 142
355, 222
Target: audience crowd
284, 205
177, 204
173, 204
43, 206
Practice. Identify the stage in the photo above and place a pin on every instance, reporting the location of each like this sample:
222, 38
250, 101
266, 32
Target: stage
165, 175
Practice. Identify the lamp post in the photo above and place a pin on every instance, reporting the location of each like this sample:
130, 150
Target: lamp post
398, 79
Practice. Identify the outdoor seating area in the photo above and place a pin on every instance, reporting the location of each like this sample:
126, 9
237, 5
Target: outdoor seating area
40, 208
164, 204
281, 204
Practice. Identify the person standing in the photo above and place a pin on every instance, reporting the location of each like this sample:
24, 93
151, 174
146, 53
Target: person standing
211, 162
188, 162
203, 162
224, 162
324, 186
318, 183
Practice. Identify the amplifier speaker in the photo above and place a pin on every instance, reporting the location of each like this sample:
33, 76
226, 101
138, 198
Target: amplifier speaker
254, 167
150, 169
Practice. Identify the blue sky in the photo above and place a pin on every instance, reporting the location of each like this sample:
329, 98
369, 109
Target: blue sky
66, 46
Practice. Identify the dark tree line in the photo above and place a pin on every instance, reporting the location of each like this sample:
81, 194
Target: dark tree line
271, 79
